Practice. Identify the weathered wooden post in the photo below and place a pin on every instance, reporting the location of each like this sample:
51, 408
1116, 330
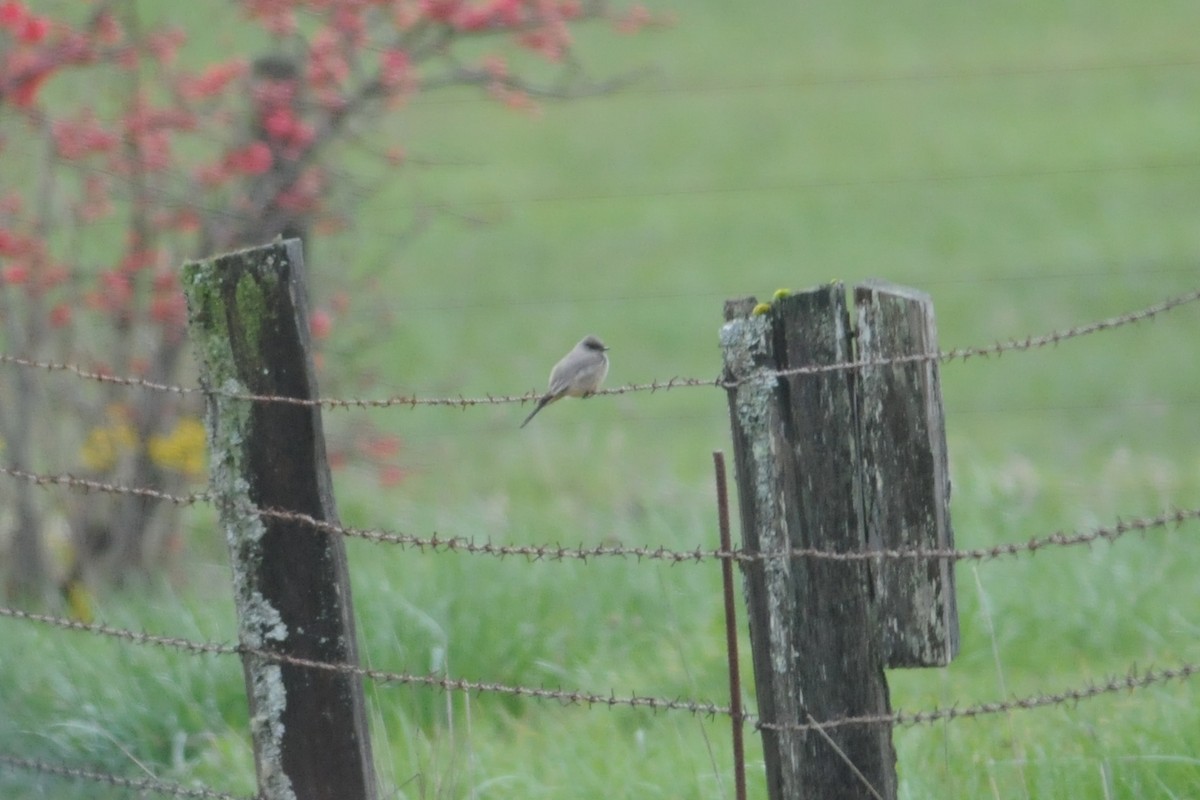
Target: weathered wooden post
249, 326
906, 477
816, 656
806, 481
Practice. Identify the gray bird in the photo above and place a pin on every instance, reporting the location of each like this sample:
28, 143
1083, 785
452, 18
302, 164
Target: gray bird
578, 374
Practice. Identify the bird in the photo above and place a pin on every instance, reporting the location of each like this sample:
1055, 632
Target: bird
578, 374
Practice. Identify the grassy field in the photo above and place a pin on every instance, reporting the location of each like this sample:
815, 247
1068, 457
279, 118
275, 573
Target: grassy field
1032, 166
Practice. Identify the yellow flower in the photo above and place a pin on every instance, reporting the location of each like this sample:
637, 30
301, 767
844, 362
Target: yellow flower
106, 443
181, 450
79, 600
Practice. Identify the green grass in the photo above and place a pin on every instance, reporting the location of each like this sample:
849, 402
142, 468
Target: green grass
1033, 167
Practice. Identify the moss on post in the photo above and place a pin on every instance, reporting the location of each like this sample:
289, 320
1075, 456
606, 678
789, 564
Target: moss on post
249, 328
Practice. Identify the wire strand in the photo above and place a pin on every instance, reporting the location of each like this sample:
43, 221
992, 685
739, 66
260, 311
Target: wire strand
657, 385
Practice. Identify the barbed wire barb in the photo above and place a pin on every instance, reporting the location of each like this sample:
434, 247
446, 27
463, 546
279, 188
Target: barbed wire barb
139, 784
436, 543
1132, 680
88, 485
462, 402
193, 647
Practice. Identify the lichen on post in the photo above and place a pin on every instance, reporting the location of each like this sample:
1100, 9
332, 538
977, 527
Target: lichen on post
248, 322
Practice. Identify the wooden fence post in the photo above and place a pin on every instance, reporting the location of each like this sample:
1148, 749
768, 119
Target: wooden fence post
906, 478
844, 461
812, 630
248, 321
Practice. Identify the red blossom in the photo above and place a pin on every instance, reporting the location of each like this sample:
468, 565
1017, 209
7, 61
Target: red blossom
320, 323
137, 260
169, 309
184, 219
108, 30
392, 475
15, 274
165, 280
472, 19
283, 126
212, 81
268, 93
395, 70
382, 448
96, 202
253, 159
164, 45
33, 29
12, 14
304, 194
633, 20
351, 23
83, 136
212, 175
440, 10
328, 67
551, 40
76, 48
14, 244
60, 315
276, 16
26, 85
116, 291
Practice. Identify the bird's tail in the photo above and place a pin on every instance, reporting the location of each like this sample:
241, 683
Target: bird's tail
545, 401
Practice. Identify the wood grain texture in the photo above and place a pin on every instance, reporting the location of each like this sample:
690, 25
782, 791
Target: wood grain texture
248, 320
906, 478
813, 634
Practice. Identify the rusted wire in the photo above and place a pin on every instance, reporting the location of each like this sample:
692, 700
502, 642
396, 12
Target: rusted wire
463, 402
558, 552
565, 697
138, 784
1130, 681
87, 485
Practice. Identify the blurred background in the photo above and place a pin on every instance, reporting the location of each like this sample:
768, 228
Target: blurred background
1032, 166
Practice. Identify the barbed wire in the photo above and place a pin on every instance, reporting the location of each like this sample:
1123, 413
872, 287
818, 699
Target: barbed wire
566, 697
657, 385
139, 784
87, 485
94, 375
1013, 345
558, 552
1130, 681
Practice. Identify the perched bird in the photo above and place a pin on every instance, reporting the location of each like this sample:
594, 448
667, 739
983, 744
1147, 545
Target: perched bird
578, 374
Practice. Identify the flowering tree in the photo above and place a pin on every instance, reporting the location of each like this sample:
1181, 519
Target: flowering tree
123, 161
